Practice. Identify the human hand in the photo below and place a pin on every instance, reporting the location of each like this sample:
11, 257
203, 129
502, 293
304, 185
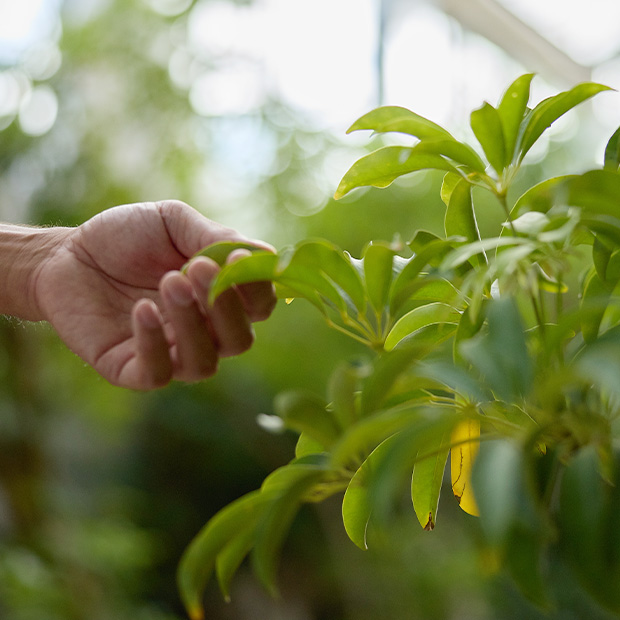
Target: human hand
113, 291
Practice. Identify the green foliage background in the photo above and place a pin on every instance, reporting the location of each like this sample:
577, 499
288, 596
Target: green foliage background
101, 489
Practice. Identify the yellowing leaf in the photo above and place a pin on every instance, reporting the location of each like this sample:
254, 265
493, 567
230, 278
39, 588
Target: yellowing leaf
467, 435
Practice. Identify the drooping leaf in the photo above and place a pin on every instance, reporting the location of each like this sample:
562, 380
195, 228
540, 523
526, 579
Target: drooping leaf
612, 152
593, 301
501, 355
420, 317
552, 108
231, 556
511, 110
487, 127
466, 440
596, 192
427, 478
381, 167
198, 561
343, 390
601, 255
356, 505
276, 520
543, 196
395, 118
497, 480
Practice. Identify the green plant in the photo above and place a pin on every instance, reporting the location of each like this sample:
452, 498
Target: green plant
503, 352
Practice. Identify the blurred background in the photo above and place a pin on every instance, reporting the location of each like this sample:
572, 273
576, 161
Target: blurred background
240, 108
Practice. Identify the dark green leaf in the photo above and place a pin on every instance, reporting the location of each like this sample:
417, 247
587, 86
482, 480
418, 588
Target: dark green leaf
549, 110
305, 413
594, 301
511, 110
395, 118
487, 127
381, 167
612, 152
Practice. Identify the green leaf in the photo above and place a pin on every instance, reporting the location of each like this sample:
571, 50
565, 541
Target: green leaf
198, 561
549, 110
497, 480
600, 257
418, 318
305, 413
463, 253
543, 196
460, 219
511, 110
469, 325
220, 251
427, 478
395, 118
456, 151
306, 446
343, 390
487, 127
596, 192
612, 152
356, 506
378, 261
230, 558
381, 167
501, 355
594, 301
276, 520
332, 263
258, 267
450, 181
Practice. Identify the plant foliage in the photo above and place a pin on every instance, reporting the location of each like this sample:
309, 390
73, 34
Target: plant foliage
500, 352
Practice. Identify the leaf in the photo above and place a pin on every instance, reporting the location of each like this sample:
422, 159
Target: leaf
501, 355
487, 127
511, 110
600, 258
549, 110
465, 439
220, 250
427, 479
612, 152
276, 521
460, 219
381, 167
344, 387
356, 506
306, 446
378, 261
395, 118
462, 254
594, 299
416, 319
305, 413
198, 560
332, 263
543, 196
230, 558
258, 267
456, 151
450, 181
497, 480
595, 191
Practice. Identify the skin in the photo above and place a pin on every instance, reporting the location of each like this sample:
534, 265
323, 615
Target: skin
113, 290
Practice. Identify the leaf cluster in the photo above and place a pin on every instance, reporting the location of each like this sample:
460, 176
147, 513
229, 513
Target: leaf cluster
500, 353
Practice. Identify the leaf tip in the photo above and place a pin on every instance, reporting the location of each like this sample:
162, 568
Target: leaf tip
430, 524
196, 613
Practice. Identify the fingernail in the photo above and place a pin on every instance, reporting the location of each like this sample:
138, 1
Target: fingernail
148, 315
180, 292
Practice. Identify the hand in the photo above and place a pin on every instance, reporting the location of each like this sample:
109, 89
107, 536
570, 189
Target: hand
113, 291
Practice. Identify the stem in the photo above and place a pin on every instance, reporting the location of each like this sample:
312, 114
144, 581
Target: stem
501, 196
365, 341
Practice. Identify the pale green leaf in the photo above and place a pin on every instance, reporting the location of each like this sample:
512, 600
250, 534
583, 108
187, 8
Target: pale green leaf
378, 262
487, 127
511, 110
418, 318
549, 110
381, 167
395, 118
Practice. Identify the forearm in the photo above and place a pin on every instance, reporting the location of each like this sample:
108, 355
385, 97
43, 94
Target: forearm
23, 250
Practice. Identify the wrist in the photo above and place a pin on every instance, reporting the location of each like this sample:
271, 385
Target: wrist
23, 252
